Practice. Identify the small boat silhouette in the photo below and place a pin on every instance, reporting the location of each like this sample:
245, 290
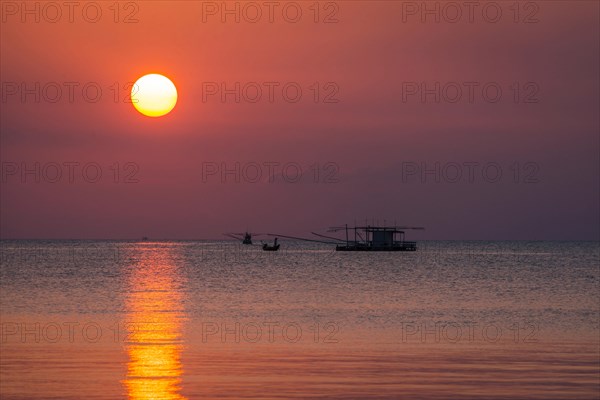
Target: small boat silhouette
275, 246
245, 237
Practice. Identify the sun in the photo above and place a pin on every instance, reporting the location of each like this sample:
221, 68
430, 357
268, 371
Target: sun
154, 95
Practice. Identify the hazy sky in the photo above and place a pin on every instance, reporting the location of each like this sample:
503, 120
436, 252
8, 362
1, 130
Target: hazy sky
483, 125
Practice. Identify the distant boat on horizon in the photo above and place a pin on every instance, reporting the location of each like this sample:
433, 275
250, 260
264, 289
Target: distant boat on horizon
376, 238
275, 246
245, 237
366, 238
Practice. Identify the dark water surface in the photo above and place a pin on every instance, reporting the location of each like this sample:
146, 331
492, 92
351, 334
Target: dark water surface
175, 320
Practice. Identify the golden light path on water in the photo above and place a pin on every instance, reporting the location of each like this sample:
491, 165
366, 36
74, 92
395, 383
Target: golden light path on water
154, 329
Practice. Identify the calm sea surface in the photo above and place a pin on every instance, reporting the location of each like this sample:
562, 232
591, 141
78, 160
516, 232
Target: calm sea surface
182, 319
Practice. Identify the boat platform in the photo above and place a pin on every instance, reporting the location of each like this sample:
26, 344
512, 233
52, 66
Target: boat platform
398, 246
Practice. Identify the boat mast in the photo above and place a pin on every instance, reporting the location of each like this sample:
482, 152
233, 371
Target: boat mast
347, 235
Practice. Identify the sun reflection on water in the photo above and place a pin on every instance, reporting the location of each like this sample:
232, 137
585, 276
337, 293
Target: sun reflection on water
154, 327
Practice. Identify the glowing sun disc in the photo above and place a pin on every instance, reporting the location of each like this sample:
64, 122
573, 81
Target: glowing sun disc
154, 95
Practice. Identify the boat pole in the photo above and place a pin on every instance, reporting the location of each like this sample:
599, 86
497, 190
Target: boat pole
347, 244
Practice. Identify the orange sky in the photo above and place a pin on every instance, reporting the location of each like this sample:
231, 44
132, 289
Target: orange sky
370, 133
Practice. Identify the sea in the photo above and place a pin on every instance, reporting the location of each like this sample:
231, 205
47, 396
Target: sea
218, 319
